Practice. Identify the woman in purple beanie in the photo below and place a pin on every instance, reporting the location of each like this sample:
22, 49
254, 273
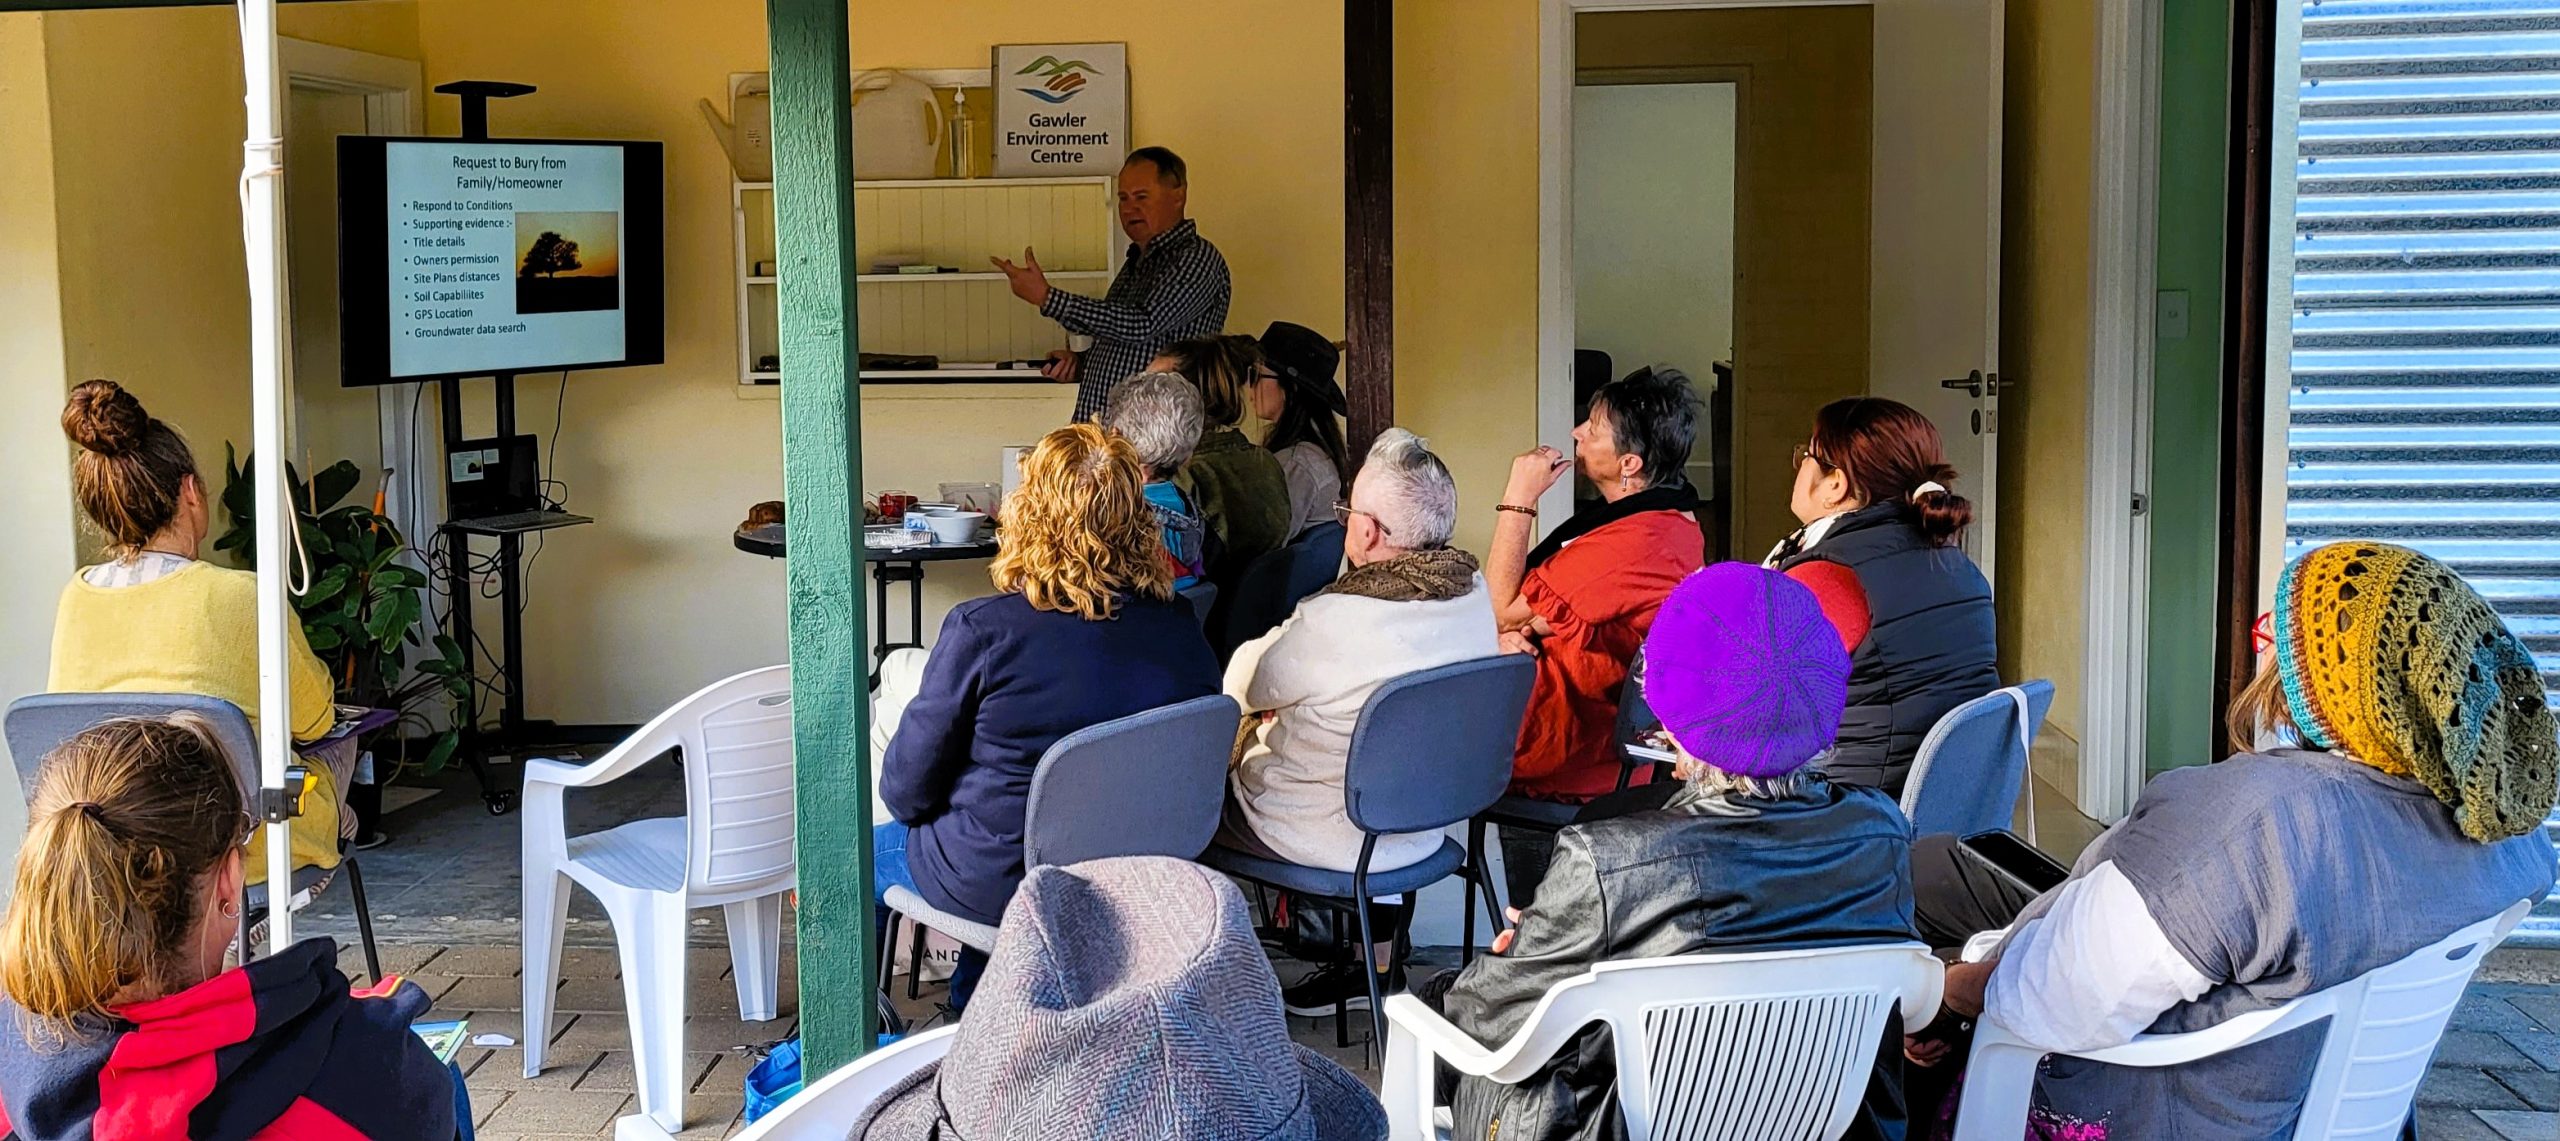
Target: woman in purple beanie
1755, 850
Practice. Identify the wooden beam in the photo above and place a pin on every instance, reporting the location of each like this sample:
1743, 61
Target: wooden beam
2245, 496
1368, 223
822, 486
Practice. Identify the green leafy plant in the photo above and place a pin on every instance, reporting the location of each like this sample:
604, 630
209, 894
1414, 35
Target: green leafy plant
362, 608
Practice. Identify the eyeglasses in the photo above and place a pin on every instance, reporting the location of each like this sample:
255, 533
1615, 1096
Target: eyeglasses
1803, 452
1343, 511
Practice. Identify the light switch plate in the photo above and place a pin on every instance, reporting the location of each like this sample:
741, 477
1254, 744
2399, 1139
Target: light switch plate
2171, 317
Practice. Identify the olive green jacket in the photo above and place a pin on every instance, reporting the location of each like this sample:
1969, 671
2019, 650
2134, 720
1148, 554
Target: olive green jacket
1243, 496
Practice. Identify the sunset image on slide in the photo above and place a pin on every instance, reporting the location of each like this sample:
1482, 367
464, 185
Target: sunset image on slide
568, 262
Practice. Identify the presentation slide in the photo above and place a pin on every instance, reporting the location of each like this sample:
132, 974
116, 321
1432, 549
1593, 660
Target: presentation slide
504, 256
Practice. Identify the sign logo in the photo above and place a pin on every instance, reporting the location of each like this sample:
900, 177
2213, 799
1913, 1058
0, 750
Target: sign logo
1064, 78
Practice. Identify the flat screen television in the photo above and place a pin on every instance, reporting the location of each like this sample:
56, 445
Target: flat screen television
471, 258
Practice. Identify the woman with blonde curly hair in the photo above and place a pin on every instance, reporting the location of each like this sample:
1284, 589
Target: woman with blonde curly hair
1087, 630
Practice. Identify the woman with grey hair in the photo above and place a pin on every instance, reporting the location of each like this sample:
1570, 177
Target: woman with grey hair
1407, 603
1159, 414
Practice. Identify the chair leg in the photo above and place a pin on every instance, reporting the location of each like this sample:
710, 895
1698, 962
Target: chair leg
364, 921
1341, 1003
888, 953
915, 963
1368, 957
546, 920
649, 927
755, 955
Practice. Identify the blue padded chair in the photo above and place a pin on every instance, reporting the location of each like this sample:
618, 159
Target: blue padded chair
1272, 586
1635, 719
1431, 748
36, 725
1203, 597
1172, 760
1972, 764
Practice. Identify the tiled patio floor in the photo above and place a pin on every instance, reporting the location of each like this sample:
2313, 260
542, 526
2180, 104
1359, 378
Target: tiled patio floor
445, 900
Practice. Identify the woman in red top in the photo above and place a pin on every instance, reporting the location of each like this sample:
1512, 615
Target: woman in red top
1582, 599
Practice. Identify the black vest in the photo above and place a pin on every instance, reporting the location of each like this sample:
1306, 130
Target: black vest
1930, 642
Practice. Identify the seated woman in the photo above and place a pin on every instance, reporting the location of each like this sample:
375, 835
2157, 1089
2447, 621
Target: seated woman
1294, 391
1879, 546
1086, 630
1756, 852
1242, 493
155, 619
1159, 414
120, 1018
1408, 603
2395, 762
1583, 598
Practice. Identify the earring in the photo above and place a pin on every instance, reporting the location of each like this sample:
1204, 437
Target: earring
230, 910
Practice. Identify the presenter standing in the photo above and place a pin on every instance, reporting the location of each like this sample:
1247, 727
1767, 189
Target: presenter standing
1172, 285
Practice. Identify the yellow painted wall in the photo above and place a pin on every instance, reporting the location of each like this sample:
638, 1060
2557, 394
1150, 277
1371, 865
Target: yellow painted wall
147, 121
2044, 340
35, 477
633, 613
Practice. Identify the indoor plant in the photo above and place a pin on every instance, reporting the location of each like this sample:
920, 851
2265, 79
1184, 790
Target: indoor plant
361, 608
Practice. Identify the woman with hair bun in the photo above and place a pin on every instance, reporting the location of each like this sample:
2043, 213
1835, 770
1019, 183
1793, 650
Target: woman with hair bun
122, 1022
154, 618
1881, 523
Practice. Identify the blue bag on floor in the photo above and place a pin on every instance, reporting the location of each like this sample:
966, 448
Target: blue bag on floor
774, 1079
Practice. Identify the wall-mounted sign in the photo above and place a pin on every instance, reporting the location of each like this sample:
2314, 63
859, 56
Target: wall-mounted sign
1060, 108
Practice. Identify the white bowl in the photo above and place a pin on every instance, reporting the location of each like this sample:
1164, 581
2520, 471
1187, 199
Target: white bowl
957, 528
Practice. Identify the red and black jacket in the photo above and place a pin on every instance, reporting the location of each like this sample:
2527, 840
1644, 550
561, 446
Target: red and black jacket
280, 1048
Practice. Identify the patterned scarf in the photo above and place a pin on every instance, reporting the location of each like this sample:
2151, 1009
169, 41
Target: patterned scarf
1414, 576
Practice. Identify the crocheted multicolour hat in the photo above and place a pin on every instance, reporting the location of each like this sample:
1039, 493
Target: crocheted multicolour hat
1746, 671
2387, 656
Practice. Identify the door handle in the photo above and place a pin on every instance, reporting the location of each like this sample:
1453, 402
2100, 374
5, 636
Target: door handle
1970, 384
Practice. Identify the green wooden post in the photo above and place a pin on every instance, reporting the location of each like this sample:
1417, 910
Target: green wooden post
821, 482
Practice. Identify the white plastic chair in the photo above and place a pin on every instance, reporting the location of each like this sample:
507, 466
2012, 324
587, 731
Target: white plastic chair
1693, 1035
830, 1105
732, 848
2383, 1029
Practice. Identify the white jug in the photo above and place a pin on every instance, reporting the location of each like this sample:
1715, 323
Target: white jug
747, 134
897, 126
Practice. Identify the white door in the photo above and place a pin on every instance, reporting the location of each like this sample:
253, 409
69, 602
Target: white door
1935, 229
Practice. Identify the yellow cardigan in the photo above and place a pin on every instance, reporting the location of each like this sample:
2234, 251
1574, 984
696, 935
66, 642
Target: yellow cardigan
195, 631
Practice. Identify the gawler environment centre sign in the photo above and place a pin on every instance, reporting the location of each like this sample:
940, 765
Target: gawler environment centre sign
1060, 108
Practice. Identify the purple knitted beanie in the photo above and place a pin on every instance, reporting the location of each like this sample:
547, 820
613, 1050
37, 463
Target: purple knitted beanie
1746, 671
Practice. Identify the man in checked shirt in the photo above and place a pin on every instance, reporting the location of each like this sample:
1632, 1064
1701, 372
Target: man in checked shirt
1172, 285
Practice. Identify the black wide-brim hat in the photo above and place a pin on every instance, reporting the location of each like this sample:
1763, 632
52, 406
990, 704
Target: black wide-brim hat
1305, 361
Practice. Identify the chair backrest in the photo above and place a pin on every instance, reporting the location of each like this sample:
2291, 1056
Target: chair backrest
1273, 585
1434, 747
1971, 766
741, 815
1151, 784
2385, 1032
1767, 1045
1203, 597
821, 1111
1635, 717
40, 723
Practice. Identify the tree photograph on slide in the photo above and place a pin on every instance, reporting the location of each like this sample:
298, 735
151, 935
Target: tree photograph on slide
568, 262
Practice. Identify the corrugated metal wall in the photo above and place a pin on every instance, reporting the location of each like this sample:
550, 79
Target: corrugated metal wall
2426, 330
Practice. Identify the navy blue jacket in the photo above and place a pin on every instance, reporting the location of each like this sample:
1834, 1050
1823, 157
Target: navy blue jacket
1004, 683
1929, 644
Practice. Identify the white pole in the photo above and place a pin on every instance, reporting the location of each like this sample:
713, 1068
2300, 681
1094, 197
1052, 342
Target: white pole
262, 234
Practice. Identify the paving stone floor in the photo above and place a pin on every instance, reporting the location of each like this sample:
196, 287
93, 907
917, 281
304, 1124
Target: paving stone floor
444, 897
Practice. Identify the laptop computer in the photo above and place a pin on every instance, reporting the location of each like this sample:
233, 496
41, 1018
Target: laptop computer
500, 476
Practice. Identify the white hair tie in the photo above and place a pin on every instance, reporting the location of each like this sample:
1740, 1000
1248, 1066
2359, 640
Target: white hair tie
1927, 487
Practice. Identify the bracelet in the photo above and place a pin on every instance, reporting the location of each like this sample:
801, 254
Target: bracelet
1531, 512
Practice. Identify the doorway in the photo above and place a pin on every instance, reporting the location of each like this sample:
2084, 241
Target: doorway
1653, 171
1892, 285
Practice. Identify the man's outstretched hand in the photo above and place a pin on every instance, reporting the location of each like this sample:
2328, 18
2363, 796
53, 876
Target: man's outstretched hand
1029, 281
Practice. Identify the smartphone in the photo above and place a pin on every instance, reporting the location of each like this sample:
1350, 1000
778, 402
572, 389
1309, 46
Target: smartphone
2020, 861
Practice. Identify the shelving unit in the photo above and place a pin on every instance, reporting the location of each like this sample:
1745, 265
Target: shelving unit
968, 318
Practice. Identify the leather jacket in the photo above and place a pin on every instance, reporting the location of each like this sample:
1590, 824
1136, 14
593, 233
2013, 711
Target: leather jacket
1830, 866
